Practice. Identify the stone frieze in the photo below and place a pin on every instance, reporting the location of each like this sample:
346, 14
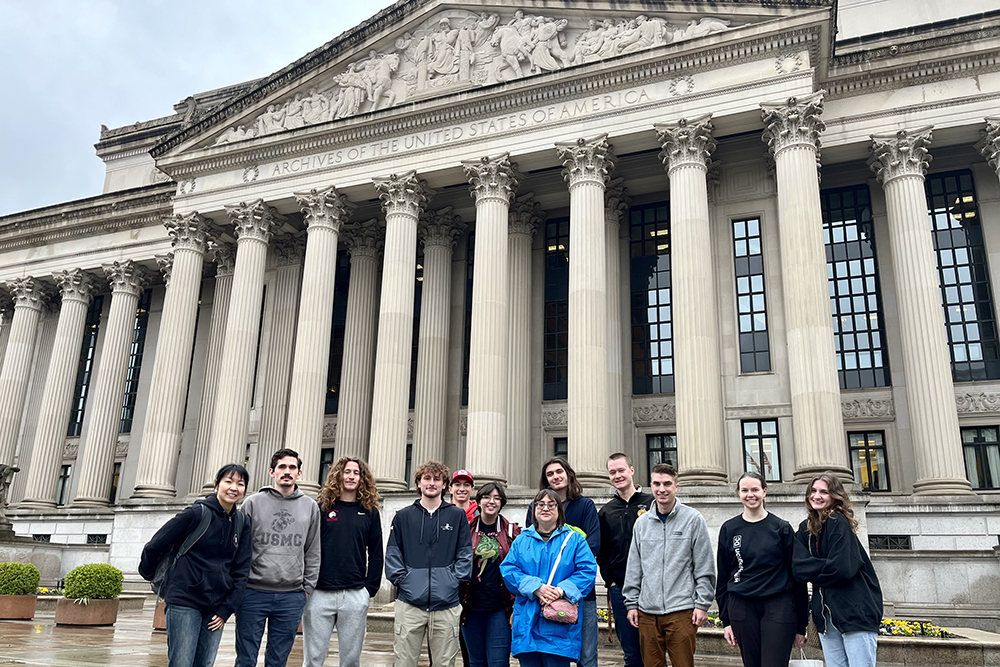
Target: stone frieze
871, 408
984, 401
645, 414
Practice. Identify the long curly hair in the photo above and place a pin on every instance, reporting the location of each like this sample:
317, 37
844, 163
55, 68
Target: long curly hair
331, 491
841, 504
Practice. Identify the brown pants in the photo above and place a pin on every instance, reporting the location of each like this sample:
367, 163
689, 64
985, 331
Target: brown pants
670, 634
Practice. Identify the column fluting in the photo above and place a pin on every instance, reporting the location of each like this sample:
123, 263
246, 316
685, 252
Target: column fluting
403, 200
161, 433
28, 296
77, 289
900, 162
687, 150
616, 205
95, 461
493, 184
587, 165
792, 130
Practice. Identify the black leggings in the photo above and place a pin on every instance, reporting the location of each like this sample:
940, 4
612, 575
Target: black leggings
764, 627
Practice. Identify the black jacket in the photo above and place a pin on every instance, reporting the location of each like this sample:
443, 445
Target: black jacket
843, 578
617, 518
428, 555
212, 576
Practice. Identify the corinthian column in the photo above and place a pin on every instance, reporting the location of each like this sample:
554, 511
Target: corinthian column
29, 297
615, 207
403, 200
438, 232
95, 462
687, 150
77, 288
325, 212
494, 181
354, 405
587, 164
254, 224
161, 434
792, 130
900, 161
225, 260
525, 216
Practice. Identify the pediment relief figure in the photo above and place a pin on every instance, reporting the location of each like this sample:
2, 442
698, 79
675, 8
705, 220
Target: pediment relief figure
460, 49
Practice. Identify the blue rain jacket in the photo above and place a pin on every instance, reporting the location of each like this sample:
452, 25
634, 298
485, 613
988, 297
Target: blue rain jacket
526, 567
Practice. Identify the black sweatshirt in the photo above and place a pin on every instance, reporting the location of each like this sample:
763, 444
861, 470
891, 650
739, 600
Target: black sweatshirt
617, 518
755, 561
351, 538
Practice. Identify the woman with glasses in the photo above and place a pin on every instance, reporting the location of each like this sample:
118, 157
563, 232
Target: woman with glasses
547, 563
486, 603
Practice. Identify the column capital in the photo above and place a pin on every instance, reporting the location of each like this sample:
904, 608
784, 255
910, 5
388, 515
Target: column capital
253, 221
364, 239
127, 277
587, 160
324, 209
224, 255
440, 228
166, 266
989, 146
288, 250
492, 177
75, 285
794, 122
189, 231
403, 193
903, 153
525, 215
616, 201
686, 142
27, 292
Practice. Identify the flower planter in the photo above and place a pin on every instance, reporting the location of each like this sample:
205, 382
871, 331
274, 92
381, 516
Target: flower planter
18, 607
95, 612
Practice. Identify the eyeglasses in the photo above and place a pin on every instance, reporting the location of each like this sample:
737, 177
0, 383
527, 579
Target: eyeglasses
546, 506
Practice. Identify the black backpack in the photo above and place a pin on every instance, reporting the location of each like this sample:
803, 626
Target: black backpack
161, 577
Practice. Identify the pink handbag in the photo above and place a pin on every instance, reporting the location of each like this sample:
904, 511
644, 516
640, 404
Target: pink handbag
562, 610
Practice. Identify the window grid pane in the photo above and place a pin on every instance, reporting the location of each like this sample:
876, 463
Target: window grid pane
470, 244
755, 356
660, 448
963, 277
135, 361
868, 457
760, 448
62, 490
85, 367
652, 326
855, 291
415, 343
336, 361
556, 365
326, 461
982, 457
560, 447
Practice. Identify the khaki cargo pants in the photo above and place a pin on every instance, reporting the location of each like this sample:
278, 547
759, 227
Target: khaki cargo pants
412, 624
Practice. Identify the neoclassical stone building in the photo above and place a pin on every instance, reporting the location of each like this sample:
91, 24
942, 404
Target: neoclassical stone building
486, 233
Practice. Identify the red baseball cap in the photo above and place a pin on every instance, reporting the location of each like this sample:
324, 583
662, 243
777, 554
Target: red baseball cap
462, 473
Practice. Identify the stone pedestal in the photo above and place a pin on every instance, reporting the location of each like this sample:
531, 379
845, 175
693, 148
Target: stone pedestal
29, 297
687, 150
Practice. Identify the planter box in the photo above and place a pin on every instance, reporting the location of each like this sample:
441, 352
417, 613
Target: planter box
96, 612
18, 607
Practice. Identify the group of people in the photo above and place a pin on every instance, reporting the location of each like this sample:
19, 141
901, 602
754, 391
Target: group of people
468, 579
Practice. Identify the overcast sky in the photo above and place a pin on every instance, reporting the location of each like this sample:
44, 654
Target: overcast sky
67, 66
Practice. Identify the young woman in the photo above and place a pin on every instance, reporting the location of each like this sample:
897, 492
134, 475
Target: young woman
206, 585
486, 603
846, 597
528, 568
764, 612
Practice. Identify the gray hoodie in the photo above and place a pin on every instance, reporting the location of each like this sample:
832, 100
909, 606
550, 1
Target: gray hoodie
671, 566
286, 544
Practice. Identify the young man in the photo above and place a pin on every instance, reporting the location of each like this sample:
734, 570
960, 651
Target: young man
429, 554
462, 488
617, 518
351, 569
670, 576
558, 475
286, 559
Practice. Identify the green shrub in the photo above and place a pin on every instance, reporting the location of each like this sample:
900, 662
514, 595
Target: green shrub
96, 581
18, 579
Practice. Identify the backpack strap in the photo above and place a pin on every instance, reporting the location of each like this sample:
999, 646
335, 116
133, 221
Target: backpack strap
240, 521
199, 532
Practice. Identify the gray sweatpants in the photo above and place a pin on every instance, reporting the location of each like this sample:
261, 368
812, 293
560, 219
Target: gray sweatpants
348, 611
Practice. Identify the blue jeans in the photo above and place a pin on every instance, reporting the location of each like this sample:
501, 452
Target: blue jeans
628, 636
589, 637
542, 660
848, 649
282, 613
189, 641
487, 637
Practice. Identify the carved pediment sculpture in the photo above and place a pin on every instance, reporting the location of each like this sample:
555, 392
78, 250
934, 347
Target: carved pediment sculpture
457, 49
